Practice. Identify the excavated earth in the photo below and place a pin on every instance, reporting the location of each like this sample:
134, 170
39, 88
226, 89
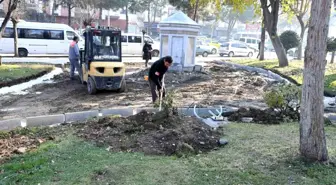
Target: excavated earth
218, 85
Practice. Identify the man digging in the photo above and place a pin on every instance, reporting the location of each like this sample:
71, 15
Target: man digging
155, 76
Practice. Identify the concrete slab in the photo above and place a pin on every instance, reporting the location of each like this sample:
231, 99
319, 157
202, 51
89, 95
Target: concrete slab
80, 116
203, 112
45, 120
11, 124
198, 68
122, 112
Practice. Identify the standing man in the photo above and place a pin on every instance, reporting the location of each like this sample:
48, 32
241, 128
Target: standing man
156, 72
74, 58
147, 53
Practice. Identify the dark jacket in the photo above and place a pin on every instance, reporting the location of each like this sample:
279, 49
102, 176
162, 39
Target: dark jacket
147, 55
156, 72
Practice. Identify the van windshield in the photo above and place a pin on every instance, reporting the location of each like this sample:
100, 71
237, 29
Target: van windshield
106, 46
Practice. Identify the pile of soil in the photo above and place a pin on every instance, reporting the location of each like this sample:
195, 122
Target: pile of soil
266, 116
162, 133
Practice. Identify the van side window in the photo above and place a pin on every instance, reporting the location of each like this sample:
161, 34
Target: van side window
56, 34
249, 41
123, 38
134, 39
254, 41
70, 35
33, 33
8, 33
242, 39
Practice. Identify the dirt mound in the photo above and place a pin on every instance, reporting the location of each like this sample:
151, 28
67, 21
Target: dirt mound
154, 134
267, 116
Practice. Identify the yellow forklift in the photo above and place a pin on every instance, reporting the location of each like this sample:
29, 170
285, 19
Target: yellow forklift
101, 62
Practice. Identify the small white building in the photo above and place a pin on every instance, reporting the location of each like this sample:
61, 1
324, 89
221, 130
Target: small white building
178, 35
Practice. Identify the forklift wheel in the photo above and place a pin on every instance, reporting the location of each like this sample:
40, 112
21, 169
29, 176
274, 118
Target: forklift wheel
91, 86
123, 86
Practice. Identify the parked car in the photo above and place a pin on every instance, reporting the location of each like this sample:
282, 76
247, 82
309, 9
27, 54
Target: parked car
235, 49
203, 50
215, 45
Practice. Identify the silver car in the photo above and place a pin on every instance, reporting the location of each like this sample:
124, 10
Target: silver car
235, 49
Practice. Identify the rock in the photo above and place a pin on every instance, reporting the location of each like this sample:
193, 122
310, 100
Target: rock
247, 120
223, 141
21, 150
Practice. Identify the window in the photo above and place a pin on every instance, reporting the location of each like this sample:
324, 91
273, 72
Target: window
225, 45
56, 35
8, 33
242, 39
70, 35
242, 46
254, 41
134, 39
32, 34
249, 41
235, 45
123, 38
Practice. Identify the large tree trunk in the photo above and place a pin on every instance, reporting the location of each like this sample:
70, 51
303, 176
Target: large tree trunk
126, 28
262, 44
16, 49
271, 23
279, 50
4, 23
303, 29
332, 57
69, 14
312, 136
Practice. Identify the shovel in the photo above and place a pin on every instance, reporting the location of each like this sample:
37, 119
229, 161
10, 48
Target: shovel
161, 93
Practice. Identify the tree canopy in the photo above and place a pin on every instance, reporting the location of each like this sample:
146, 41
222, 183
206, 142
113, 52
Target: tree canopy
290, 39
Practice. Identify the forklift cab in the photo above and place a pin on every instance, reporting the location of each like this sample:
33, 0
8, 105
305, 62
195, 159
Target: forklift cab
100, 61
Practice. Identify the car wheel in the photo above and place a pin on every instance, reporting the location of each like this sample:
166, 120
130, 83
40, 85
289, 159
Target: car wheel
23, 52
250, 54
205, 54
214, 51
231, 54
155, 53
221, 54
91, 86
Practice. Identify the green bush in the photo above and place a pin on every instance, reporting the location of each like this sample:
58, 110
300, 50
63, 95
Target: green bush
286, 99
290, 39
167, 102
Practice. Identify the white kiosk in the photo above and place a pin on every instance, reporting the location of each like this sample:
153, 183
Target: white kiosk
178, 36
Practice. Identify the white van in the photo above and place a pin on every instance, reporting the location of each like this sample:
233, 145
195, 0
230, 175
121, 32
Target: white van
252, 42
132, 44
39, 38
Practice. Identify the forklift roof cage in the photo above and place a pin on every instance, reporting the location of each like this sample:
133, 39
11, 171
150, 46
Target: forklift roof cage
102, 44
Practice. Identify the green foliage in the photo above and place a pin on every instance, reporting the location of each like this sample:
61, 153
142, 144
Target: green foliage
331, 44
286, 99
290, 39
167, 102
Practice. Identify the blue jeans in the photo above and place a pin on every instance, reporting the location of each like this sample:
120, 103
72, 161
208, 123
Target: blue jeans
74, 64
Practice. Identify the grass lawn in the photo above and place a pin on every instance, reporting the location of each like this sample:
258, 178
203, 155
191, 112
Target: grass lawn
11, 72
294, 71
256, 154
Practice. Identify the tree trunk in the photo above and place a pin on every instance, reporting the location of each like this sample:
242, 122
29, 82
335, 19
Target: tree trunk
101, 16
312, 135
148, 19
280, 52
4, 23
196, 9
69, 14
231, 25
332, 57
303, 29
262, 44
16, 49
126, 12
